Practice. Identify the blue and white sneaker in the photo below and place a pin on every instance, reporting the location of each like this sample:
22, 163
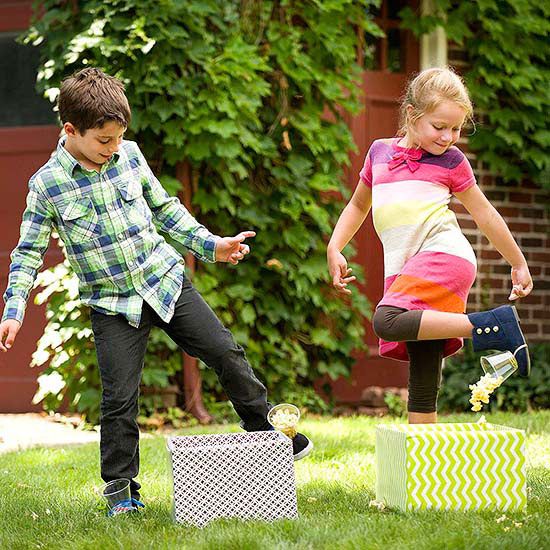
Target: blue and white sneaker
125, 507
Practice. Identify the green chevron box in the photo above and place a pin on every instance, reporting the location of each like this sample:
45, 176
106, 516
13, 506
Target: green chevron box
450, 467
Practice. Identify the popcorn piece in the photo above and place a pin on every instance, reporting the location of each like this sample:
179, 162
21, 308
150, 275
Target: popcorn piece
482, 389
377, 504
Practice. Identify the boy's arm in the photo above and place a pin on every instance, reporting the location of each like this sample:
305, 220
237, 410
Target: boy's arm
27, 257
174, 219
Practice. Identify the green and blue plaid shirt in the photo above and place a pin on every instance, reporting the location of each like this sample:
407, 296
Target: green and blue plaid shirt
108, 221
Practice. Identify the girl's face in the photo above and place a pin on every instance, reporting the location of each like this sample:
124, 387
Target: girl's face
439, 129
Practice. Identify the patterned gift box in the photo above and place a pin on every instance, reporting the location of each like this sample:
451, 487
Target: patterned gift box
243, 475
450, 466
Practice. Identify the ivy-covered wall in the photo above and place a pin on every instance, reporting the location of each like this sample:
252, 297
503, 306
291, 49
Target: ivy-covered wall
525, 207
249, 94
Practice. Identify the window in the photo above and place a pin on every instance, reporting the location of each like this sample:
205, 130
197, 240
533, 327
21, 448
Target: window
389, 53
21, 104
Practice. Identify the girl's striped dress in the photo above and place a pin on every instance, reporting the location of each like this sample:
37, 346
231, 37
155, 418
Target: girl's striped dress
428, 262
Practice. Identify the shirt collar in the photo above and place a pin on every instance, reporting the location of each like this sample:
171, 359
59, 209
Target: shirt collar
69, 163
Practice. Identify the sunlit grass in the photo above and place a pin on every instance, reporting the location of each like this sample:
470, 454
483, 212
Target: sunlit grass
49, 499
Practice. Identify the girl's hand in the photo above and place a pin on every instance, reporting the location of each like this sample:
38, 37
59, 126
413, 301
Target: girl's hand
339, 271
232, 249
522, 284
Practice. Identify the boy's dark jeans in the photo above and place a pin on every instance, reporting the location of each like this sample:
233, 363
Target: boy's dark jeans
120, 352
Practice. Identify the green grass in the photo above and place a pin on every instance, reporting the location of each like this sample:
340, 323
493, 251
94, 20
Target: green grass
49, 499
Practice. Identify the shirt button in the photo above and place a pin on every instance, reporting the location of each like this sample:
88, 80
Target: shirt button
487, 330
111, 207
479, 331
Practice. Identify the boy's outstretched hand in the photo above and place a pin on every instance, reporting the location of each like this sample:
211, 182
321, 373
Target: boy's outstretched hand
232, 249
8, 331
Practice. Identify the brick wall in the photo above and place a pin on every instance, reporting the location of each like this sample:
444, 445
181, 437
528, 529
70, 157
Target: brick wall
526, 209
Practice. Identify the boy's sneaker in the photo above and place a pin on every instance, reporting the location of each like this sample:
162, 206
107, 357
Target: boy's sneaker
125, 507
301, 446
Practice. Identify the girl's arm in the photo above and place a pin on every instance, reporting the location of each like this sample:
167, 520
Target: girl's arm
495, 229
349, 222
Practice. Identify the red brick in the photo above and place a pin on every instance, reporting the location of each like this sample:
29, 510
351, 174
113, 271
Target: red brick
459, 208
502, 269
509, 212
519, 227
490, 255
531, 241
495, 195
541, 313
533, 298
541, 257
524, 198
467, 223
532, 213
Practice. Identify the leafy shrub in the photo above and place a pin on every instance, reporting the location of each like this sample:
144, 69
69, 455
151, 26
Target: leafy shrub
515, 394
250, 98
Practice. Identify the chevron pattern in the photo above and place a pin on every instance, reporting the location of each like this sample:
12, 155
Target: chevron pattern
451, 467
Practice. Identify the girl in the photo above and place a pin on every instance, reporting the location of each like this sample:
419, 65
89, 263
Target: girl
429, 264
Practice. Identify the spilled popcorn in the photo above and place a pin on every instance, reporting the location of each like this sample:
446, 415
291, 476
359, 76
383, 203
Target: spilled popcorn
377, 504
482, 389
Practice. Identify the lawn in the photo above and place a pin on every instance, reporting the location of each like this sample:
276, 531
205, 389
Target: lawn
49, 500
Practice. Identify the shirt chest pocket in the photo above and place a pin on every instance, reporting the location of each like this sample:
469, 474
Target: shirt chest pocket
133, 201
80, 221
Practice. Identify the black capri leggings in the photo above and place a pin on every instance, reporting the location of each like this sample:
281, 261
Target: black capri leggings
395, 324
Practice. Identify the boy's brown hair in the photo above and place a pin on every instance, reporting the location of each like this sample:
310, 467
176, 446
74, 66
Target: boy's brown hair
90, 98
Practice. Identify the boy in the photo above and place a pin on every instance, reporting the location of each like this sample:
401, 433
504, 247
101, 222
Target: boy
99, 194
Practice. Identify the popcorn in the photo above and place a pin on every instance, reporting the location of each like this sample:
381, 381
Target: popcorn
482, 389
482, 419
377, 504
284, 418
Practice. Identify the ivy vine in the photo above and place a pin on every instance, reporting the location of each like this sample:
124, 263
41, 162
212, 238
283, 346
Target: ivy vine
250, 94
508, 77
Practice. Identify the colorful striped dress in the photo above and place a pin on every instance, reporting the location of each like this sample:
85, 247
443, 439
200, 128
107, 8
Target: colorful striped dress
428, 262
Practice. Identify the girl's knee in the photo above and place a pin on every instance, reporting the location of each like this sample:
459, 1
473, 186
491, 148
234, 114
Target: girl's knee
381, 324
390, 324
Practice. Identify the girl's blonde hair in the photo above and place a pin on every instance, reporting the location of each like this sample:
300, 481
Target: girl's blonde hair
429, 88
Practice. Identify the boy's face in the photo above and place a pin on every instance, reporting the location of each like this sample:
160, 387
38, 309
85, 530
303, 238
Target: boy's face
97, 145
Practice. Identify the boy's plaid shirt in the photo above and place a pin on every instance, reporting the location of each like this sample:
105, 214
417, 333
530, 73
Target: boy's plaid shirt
108, 222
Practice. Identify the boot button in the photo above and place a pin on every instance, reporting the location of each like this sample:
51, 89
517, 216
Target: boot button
495, 329
479, 331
